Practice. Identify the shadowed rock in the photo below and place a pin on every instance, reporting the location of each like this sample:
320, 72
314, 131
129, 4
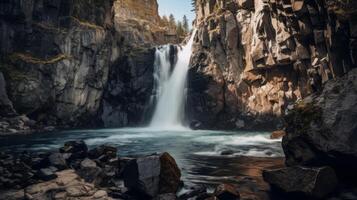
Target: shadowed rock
310, 182
152, 175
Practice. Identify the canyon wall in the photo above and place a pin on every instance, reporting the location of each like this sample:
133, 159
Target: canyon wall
254, 58
73, 63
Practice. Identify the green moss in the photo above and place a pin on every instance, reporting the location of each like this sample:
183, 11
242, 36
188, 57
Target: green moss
303, 115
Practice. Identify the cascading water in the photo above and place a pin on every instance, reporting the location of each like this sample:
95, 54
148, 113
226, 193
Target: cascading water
170, 86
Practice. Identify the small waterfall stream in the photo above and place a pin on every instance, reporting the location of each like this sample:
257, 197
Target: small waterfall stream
170, 86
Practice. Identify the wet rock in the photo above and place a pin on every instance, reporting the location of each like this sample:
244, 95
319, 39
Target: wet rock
90, 172
77, 149
195, 125
277, 135
310, 182
227, 152
168, 196
103, 153
57, 160
194, 192
152, 175
226, 192
49, 129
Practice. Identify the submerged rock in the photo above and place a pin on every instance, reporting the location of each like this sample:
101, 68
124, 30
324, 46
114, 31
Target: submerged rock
152, 175
310, 182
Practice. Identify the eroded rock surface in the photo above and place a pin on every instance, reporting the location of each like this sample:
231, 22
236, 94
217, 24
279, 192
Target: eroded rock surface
322, 129
253, 58
71, 63
311, 182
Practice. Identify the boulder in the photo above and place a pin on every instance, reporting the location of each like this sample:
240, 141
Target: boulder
226, 192
277, 135
152, 175
57, 160
77, 149
46, 174
90, 172
309, 182
103, 153
322, 129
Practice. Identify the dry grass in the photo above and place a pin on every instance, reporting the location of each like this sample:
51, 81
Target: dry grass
33, 60
86, 24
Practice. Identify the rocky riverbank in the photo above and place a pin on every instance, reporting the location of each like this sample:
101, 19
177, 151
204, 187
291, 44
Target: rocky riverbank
76, 172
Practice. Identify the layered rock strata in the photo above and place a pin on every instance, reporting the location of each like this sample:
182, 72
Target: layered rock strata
76, 63
253, 58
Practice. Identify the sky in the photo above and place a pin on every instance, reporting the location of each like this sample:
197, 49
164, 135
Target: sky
178, 8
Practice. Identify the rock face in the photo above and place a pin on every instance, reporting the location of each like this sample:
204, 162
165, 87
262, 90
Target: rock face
141, 19
322, 129
253, 58
312, 182
70, 63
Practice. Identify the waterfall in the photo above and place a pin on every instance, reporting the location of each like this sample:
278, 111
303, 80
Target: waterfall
170, 87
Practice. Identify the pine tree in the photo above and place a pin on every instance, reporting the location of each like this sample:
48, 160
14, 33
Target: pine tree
193, 3
185, 25
172, 21
180, 30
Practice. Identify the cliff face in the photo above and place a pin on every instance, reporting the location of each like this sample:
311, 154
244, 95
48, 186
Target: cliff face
60, 59
253, 58
142, 21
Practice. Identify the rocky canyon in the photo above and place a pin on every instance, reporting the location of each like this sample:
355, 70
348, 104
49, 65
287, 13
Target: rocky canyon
81, 82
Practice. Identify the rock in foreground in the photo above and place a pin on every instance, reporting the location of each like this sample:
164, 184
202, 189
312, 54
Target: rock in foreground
322, 130
68, 185
226, 192
152, 175
311, 182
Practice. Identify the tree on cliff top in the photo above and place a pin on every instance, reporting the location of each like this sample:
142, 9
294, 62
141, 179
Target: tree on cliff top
172, 21
193, 3
185, 25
